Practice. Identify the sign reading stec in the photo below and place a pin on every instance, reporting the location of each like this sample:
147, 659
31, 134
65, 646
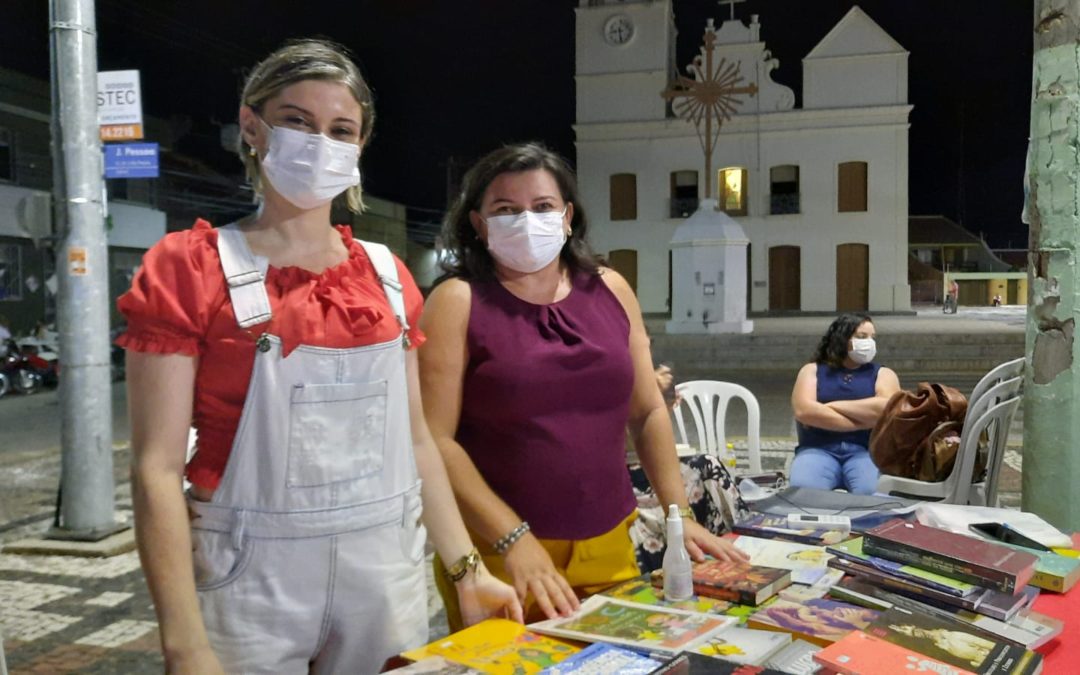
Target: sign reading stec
119, 102
131, 160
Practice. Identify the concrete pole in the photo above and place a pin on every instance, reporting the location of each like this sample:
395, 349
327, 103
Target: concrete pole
86, 471
1052, 376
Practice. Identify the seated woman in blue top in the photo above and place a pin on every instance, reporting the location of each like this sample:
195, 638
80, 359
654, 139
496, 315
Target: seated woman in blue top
837, 400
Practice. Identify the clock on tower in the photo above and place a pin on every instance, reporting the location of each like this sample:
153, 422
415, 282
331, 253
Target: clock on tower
624, 59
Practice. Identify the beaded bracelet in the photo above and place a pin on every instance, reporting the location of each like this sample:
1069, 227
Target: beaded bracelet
463, 566
506, 541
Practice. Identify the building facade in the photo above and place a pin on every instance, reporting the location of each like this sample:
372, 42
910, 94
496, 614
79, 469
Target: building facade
821, 190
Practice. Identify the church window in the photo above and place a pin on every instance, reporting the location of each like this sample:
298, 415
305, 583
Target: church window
851, 189
623, 196
733, 197
684, 193
784, 189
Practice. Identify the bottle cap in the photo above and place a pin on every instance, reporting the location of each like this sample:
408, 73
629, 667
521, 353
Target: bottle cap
673, 512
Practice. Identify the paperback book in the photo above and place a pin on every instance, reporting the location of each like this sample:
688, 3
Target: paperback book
645, 591
745, 645
497, 646
644, 628
690, 663
435, 665
821, 621
973, 560
797, 658
768, 526
1053, 571
603, 659
741, 583
954, 643
861, 654
785, 555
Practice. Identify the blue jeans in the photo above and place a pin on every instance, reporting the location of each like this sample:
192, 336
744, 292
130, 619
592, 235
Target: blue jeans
843, 465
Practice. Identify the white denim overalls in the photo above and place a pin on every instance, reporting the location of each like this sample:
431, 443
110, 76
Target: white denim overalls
309, 556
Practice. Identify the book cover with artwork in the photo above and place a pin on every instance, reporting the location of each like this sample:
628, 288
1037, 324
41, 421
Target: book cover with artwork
645, 592
768, 526
435, 665
644, 628
973, 560
785, 555
862, 654
604, 659
797, 659
497, 646
738, 582
821, 621
744, 645
953, 642
690, 663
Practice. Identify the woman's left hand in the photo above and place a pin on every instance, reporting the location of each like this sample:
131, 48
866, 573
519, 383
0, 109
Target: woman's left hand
482, 596
700, 542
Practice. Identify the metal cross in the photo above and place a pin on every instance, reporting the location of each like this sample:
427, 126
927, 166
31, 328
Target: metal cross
711, 94
732, 3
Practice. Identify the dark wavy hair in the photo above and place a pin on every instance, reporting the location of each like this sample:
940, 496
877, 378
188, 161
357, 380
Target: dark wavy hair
468, 255
833, 346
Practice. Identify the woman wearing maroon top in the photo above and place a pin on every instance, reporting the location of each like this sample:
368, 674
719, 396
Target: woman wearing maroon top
536, 364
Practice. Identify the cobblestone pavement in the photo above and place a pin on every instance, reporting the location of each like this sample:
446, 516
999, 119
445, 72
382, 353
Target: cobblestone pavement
63, 614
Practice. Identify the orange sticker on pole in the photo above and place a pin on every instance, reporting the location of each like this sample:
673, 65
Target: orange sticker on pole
77, 261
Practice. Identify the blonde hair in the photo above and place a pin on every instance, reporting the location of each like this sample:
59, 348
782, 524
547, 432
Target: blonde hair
302, 60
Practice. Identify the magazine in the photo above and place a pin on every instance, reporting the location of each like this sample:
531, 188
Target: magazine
644, 628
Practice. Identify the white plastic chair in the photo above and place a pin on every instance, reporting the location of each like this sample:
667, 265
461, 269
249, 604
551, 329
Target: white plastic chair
1000, 373
991, 411
707, 401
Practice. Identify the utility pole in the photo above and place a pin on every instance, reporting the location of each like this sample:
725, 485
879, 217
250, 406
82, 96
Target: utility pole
1052, 377
86, 478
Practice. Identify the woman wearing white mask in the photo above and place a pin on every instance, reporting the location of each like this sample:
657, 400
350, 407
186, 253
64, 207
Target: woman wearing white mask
837, 400
537, 363
291, 348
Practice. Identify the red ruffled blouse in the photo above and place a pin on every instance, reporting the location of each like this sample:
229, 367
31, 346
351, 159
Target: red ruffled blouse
179, 304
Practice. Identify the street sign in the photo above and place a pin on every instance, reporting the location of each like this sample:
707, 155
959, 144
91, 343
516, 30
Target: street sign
119, 103
131, 160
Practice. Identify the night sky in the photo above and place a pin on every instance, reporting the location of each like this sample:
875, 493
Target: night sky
458, 78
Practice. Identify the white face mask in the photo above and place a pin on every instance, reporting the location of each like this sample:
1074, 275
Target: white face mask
309, 169
526, 241
862, 350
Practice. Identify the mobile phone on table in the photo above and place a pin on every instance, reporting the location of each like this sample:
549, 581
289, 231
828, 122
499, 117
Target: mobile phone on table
1003, 532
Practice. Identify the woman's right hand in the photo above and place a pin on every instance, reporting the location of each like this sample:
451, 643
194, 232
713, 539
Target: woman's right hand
532, 571
194, 662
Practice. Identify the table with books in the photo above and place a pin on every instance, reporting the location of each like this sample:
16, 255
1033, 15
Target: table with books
900, 597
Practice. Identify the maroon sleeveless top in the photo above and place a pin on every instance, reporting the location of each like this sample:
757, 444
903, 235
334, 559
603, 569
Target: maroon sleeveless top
545, 404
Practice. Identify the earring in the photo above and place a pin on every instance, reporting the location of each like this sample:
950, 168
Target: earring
252, 152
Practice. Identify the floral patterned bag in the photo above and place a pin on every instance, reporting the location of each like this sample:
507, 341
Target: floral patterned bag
713, 496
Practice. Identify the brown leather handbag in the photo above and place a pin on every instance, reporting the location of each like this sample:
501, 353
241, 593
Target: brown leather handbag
910, 438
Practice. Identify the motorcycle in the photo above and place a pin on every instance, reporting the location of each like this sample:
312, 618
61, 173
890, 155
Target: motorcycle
19, 371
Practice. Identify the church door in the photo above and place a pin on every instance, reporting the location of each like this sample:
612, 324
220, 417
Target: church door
624, 261
785, 273
852, 277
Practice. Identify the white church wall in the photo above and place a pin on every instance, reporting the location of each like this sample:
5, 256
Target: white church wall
882, 80
604, 97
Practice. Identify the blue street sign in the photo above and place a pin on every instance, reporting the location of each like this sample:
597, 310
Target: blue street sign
131, 160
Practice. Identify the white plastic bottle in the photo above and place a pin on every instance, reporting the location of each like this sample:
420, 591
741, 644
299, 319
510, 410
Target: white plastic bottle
678, 578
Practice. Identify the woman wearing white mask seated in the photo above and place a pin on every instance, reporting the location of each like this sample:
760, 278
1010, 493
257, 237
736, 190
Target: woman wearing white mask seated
537, 360
291, 347
837, 400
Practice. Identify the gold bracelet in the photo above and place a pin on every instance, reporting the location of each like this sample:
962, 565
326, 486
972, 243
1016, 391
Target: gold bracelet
687, 512
465, 564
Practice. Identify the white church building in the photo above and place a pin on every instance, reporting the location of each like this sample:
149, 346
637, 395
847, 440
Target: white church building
821, 191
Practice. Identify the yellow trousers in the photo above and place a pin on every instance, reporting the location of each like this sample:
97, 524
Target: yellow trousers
588, 565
